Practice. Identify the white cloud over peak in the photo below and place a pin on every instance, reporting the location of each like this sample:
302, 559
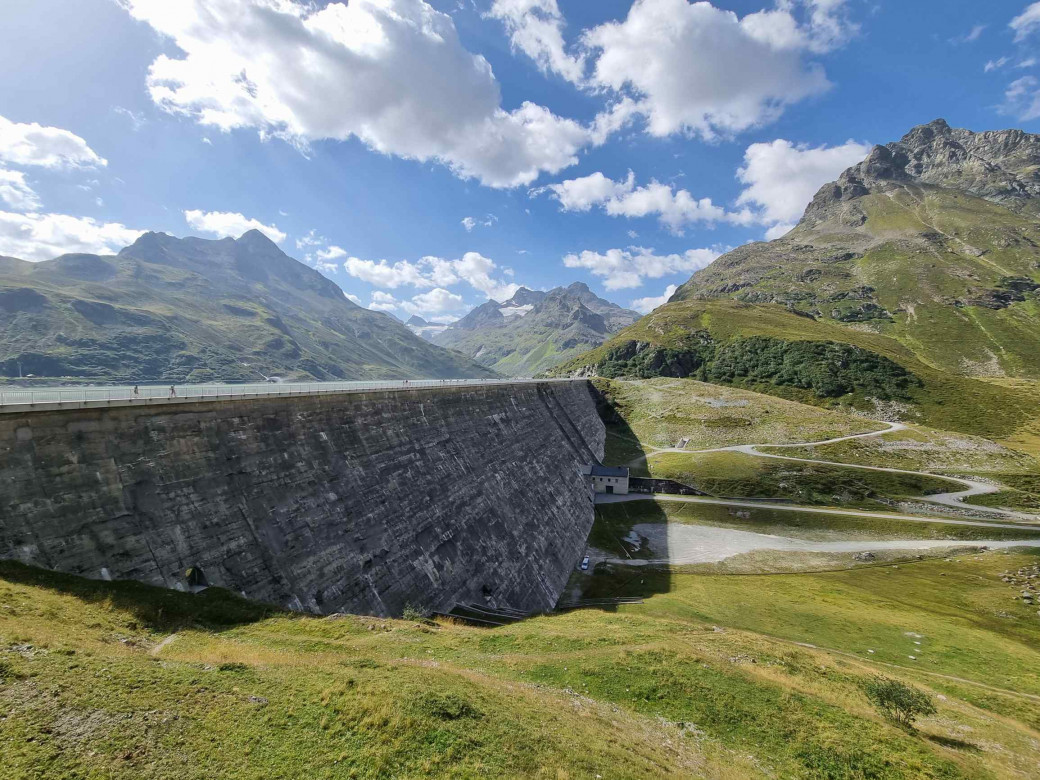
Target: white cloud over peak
432, 305
695, 68
1026, 22
383, 301
535, 27
229, 223
392, 73
648, 304
782, 177
432, 272
16, 192
626, 268
351, 297
48, 147
39, 237
436, 301
674, 208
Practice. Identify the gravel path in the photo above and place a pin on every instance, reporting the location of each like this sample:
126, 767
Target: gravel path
688, 544
953, 498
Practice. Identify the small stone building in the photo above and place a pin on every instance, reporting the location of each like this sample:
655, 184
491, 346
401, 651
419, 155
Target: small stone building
609, 479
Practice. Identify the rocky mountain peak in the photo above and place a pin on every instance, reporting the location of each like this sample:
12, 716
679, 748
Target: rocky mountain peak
1002, 166
525, 297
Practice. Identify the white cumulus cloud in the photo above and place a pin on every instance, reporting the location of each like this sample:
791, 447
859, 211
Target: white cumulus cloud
535, 27
627, 268
383, 301
229, 223
16, 192
648, 304
38, 237
674, 208
392, 73
692, 67
436, 301
48, 147
781, 177
472, 268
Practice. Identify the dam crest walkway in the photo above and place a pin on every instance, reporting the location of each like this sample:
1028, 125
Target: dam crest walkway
29, 399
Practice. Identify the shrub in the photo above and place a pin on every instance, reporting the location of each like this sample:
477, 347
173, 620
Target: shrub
414, 612
899, 701
6, 671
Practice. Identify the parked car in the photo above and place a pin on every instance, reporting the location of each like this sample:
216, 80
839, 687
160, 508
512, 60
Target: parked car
585, 563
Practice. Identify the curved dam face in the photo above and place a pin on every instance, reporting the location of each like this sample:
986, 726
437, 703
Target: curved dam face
361, 502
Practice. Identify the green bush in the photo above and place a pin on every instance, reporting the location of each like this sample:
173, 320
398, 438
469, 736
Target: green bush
413, 612
900, 702
829, 369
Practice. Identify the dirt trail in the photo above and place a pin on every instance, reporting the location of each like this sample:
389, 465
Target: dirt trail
954, 498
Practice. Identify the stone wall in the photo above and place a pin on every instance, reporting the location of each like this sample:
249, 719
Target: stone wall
354, 502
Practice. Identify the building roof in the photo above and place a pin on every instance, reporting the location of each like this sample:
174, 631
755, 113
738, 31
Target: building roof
609, 471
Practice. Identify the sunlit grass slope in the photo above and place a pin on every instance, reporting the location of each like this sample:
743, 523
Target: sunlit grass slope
943, 400
689, 684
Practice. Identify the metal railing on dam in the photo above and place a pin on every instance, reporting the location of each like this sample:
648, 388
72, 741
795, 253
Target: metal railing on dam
39, 398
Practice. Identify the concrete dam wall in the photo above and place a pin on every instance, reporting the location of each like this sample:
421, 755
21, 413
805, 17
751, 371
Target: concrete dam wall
361, 502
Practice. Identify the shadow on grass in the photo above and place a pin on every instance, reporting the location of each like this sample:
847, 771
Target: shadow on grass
951, 742
156, 608
623, 447
628, 573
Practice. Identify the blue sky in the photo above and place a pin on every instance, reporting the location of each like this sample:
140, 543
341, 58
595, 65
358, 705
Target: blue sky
428, 155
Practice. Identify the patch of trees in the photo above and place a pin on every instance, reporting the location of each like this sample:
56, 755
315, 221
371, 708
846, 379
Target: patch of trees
826, 368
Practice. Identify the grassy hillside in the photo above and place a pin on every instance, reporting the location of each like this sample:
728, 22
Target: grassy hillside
682, 338
950, 276
123, 680
194, 310
736, 475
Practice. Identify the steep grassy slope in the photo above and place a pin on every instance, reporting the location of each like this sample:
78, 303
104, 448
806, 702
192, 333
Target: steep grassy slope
928, 266
684, 338
933, 240
195, 310
120, 680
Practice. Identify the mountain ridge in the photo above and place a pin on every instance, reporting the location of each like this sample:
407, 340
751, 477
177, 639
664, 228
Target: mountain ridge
194, 309
535, 330
909, 279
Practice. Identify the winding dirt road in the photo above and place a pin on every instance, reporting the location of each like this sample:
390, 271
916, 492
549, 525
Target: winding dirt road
953, 499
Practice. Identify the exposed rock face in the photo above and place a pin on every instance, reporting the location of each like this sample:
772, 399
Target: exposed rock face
355, 502
1000, 166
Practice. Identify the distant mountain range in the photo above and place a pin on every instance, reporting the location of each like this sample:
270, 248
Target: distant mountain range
193, 310
534, 330
421, 327
908, 280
